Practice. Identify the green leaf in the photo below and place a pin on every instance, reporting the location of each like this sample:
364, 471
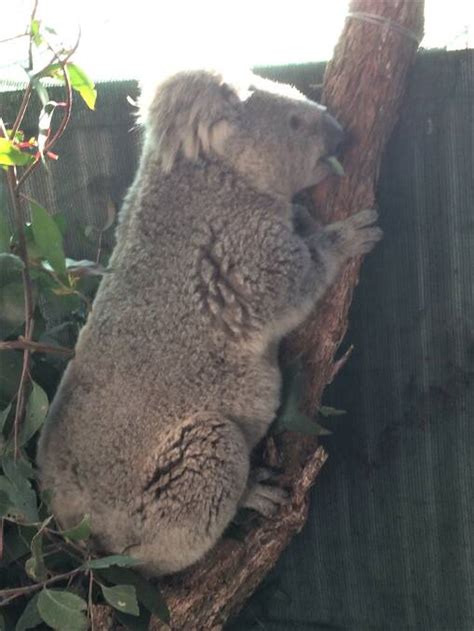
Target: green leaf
15, 545
12, 308
62, 610
48, 238
11, 267
290, 417
120, 560
30, 617
35, 566
10, 155
326, 411
36, 410
5, 234
149, 595
10, 370
16, 485
122, 597
5, 503
35, 32
81, 82
79, 532
4, 415
41, 91
61, 222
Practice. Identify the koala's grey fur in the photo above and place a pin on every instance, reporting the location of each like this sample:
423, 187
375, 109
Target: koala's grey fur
175, 377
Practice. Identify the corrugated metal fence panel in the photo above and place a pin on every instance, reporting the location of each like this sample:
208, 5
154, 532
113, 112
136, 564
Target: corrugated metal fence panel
390, 537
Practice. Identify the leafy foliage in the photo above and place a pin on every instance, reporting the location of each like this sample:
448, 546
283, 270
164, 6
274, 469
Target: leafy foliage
48, 576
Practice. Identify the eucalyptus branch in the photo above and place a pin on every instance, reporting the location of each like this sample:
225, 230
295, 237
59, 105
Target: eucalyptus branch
67, 108
30, 44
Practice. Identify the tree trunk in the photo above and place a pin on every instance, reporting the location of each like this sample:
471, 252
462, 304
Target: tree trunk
363, 88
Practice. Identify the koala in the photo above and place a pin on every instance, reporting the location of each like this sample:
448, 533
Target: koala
175, 377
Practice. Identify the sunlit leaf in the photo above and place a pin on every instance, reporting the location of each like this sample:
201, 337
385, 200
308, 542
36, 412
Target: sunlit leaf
83, 84
10, 155
35, 32
122, 597
62, 610
48, 238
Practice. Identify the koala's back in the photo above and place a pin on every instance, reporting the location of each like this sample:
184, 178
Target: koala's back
155, 349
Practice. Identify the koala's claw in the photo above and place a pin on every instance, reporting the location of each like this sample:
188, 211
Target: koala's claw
355, 235
264, 499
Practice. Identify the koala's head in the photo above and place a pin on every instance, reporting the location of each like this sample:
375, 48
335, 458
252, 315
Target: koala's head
268, 132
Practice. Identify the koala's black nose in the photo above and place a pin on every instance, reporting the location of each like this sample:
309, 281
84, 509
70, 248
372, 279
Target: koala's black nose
332, 132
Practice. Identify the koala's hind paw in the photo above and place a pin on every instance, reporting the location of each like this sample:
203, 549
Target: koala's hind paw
264, 499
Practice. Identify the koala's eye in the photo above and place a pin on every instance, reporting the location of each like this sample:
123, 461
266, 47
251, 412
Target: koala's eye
295, 121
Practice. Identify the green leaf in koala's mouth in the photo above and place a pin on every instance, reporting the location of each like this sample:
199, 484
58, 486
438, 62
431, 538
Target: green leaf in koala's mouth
335, 165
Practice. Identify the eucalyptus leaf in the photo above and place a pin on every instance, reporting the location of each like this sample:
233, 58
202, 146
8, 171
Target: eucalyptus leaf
79, 532
10, 370
4, 415
62, 610
82, 84
48, 238
12, 308
122, 597
5, 234
19, 490
149, 595
36, 409
290, 416
10, 155
35, 566
120, 560
11, 267
30, 617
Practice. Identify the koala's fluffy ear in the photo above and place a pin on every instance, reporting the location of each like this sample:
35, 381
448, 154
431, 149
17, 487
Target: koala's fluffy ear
191, 113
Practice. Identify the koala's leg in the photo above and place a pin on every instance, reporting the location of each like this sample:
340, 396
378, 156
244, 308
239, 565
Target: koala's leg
334, 244
193, 484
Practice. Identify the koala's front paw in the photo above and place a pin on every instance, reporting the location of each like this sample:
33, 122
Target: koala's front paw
265, 499
355, 235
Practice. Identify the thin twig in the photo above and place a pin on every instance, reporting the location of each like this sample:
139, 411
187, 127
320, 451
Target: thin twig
30, 45
28, 296
67, 109
8, 595
35, 347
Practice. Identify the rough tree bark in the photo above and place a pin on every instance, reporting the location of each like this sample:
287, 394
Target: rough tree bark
363, 87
